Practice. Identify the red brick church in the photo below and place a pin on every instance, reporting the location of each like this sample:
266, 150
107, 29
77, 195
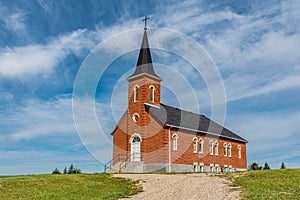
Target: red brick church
152, 136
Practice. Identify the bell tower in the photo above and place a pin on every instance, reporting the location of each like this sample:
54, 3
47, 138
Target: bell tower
143, 84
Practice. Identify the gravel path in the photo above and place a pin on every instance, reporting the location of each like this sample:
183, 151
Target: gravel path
182, 186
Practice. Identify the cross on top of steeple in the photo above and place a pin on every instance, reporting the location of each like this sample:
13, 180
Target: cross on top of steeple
145, 20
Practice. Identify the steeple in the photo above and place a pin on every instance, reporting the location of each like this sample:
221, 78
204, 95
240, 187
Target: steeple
144, 64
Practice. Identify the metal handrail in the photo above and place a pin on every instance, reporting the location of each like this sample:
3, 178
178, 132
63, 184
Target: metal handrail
130, 158
127, 158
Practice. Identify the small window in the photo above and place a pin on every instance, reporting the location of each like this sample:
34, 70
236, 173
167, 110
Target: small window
136, 139
152, 88
225, 149
216, 148
201, 145
175, 140
135, 117
229, 150
195, 145
211, 147
136, 93
239, 152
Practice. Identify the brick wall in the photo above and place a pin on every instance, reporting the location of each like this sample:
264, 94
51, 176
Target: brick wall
155, 139
185, 151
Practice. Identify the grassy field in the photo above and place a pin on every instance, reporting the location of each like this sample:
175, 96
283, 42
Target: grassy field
269, 184
77, 186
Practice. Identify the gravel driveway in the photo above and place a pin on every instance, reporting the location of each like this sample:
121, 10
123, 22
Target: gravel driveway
182, 186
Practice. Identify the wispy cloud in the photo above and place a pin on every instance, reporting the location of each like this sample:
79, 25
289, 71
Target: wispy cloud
266, 131
16, 22
38, 118
39, 58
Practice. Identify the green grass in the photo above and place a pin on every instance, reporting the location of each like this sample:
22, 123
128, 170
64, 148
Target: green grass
269, 184
77, 186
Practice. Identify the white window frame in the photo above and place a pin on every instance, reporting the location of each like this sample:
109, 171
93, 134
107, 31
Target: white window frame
195, 144
211, 147
229, 150
136, 93
239, 151
175, 142
201, 145
152, 92
225, 149
133, 117
216, 148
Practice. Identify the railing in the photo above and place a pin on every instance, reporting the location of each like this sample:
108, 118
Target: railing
118, 158
123, 159
132, 157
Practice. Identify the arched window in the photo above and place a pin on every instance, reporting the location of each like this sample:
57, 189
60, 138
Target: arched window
152, 88
211, 147
239, 152
195, 145
201, 148
136, 93
229, 150
225, 149
216, 148
175, 139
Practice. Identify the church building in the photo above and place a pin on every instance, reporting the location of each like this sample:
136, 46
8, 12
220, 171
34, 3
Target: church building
152, 136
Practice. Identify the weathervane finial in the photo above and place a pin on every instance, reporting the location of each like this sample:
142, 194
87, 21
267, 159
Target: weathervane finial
145, 19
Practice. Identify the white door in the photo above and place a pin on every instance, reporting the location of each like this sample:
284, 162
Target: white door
136, 149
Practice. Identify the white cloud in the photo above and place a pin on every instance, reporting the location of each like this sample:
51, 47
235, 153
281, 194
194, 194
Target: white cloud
37, 118
16, 22
273, 136
41, 59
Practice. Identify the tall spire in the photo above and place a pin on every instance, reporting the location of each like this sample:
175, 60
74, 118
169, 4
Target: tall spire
144, 64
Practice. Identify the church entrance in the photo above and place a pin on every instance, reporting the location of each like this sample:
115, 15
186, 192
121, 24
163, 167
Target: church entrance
136, 149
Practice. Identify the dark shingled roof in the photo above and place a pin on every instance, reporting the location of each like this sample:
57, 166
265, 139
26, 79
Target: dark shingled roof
173, 117
144, 63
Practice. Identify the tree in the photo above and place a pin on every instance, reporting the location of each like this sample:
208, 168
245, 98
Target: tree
56, 171
282, 165
266, 167
255, 166
71, 169
65, 170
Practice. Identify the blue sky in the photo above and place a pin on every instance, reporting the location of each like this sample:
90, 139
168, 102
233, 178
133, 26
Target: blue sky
254, 44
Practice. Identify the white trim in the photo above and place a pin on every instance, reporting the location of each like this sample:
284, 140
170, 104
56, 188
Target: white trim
225, 165
170, 150
239, 151
201, 146
209, 133
229, 153
134, 118
148, 104
216, 148
195, 144
211, 165
174, 149
135, 134
211, 147
201, 164
144, 74
136, 94
153, 99
225, 148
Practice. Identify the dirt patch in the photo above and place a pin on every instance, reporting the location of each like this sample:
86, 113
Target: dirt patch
182, 186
